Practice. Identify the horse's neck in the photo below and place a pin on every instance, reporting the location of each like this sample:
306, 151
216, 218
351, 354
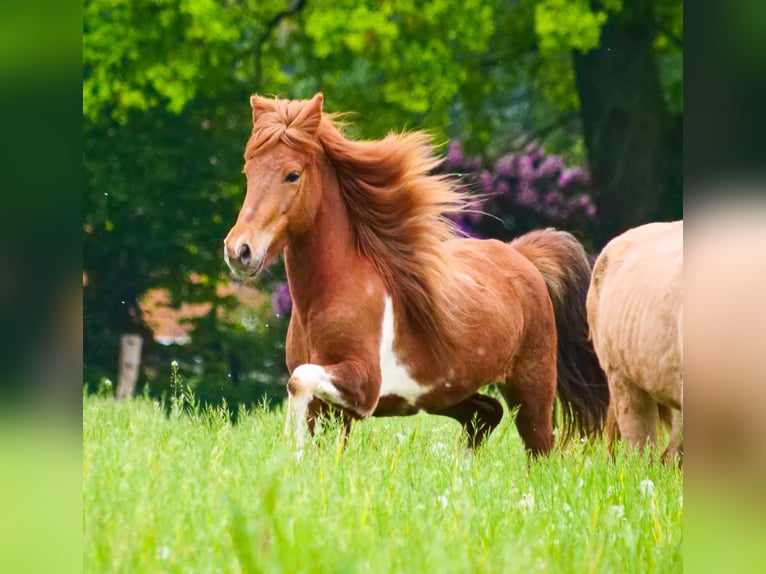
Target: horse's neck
321, 259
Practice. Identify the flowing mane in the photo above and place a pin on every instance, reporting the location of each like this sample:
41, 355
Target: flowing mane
396, 205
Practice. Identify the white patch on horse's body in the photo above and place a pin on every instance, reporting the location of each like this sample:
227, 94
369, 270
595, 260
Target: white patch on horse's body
395, 378
315, 380
308, 381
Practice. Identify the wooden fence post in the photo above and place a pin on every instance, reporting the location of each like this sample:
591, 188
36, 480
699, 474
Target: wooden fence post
130, 361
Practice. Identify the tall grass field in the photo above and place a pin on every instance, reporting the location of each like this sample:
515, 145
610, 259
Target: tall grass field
188, 491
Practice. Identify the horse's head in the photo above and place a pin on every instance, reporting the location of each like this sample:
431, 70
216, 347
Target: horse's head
282, 192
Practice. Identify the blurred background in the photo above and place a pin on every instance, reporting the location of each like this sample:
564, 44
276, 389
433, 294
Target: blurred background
565, 112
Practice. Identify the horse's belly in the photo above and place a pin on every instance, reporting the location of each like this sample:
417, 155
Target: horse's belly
392, 406
402, 394
638, 341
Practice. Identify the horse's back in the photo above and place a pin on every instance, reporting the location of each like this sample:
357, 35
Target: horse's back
635, 304
505, 275
502, 297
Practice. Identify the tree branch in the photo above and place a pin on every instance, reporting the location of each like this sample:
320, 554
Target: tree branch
270, 27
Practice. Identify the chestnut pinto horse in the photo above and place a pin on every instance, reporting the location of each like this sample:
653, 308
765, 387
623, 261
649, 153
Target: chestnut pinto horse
393, 313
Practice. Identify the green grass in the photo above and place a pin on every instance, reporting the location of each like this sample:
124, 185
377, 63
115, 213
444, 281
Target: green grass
190, 492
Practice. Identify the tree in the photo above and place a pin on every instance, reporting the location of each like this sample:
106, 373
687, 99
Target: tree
632, 131
619, 66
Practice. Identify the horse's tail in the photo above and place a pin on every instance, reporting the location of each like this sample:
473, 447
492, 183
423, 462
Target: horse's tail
582, 385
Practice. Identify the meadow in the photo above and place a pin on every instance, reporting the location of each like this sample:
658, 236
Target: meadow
185, 490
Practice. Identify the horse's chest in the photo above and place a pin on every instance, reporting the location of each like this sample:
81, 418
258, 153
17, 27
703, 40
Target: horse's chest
395, 377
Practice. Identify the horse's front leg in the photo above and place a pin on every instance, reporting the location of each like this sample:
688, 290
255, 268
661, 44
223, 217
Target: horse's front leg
350, 386
318, 410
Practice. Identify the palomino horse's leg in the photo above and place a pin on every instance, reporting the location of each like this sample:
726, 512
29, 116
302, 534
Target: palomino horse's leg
611, 428
479, 415
635, 411
676, 444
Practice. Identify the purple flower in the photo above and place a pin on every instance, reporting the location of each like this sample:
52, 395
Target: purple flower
526, 168
550, 198
526, 195
506, 166
281, 301
485, 180
584, 200
551, 168
591, 210
573, 177
454, 154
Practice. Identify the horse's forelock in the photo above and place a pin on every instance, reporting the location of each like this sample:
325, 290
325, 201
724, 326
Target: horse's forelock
292, 122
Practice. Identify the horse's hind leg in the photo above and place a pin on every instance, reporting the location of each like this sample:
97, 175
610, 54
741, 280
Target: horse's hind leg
635, 411
532, 387
479, 415
676, 444
611, 429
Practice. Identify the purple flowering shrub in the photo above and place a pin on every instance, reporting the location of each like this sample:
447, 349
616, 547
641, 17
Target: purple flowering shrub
518, 193
521, 192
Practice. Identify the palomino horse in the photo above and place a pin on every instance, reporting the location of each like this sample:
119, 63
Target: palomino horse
392, 312
635, 315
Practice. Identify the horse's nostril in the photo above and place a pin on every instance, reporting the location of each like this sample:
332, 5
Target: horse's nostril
244, 254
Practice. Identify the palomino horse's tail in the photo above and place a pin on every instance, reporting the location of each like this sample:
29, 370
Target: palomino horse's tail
582, 385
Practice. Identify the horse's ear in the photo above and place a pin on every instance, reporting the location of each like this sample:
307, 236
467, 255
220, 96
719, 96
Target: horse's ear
315, 106
260, 105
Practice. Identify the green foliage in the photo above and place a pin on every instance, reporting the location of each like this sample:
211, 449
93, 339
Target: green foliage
407, 59
562, 26
192, 492
569, 25
141, 54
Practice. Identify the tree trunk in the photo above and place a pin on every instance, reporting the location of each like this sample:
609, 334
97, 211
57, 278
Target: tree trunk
634, 145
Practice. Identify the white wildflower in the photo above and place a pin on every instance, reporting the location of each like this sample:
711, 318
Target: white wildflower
438, 448
647, 487
163, 552
618, 510
527, 502
443, 500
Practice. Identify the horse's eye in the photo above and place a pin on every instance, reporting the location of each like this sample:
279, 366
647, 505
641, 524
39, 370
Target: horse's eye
292, 177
